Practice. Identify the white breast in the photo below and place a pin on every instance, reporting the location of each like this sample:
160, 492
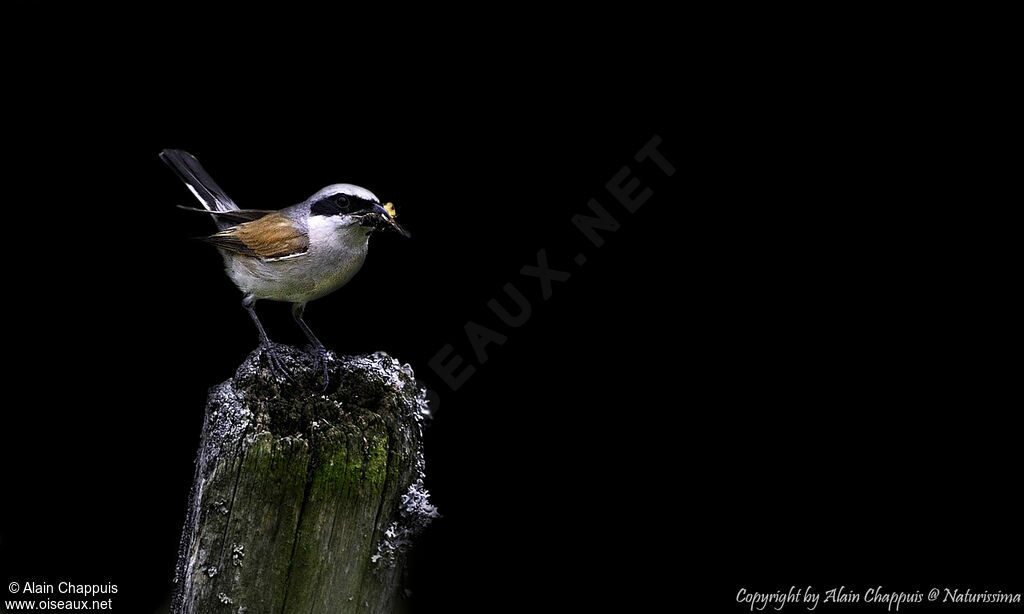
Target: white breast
336, 253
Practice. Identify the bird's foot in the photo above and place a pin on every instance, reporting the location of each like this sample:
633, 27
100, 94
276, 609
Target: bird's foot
321, 358
275, 361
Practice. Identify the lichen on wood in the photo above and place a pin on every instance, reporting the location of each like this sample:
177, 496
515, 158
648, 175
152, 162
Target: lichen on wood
303, 500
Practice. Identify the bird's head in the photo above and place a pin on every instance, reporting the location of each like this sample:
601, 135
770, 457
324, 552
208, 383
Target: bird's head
346, 204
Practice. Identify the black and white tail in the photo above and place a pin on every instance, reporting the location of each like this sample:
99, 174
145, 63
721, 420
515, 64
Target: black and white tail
205, 189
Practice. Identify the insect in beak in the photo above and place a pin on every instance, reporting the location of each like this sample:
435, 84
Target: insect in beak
387, 214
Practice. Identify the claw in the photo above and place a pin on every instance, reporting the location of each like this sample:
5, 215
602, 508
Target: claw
275, 362
320, 359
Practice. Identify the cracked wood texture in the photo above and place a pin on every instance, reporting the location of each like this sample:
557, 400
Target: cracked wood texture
304, 500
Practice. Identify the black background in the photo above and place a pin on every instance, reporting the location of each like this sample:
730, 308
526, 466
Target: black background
784, 369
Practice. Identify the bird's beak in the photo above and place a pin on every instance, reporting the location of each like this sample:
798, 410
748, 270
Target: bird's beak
390, 220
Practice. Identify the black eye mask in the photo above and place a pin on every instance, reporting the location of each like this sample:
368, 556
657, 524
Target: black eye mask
341, 204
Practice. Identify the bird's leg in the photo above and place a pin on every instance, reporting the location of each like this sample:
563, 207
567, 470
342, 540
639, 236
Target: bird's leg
317, 349
266, 345
297, 310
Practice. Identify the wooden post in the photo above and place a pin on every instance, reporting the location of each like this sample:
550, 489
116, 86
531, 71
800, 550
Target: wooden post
305, 501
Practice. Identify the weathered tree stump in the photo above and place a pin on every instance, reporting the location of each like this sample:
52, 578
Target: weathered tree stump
304, 501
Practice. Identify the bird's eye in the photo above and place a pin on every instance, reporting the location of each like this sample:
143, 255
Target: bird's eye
342, 199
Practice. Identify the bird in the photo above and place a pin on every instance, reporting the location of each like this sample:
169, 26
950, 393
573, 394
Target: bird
294, 255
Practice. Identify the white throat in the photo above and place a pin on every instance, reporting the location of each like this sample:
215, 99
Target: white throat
333, 232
